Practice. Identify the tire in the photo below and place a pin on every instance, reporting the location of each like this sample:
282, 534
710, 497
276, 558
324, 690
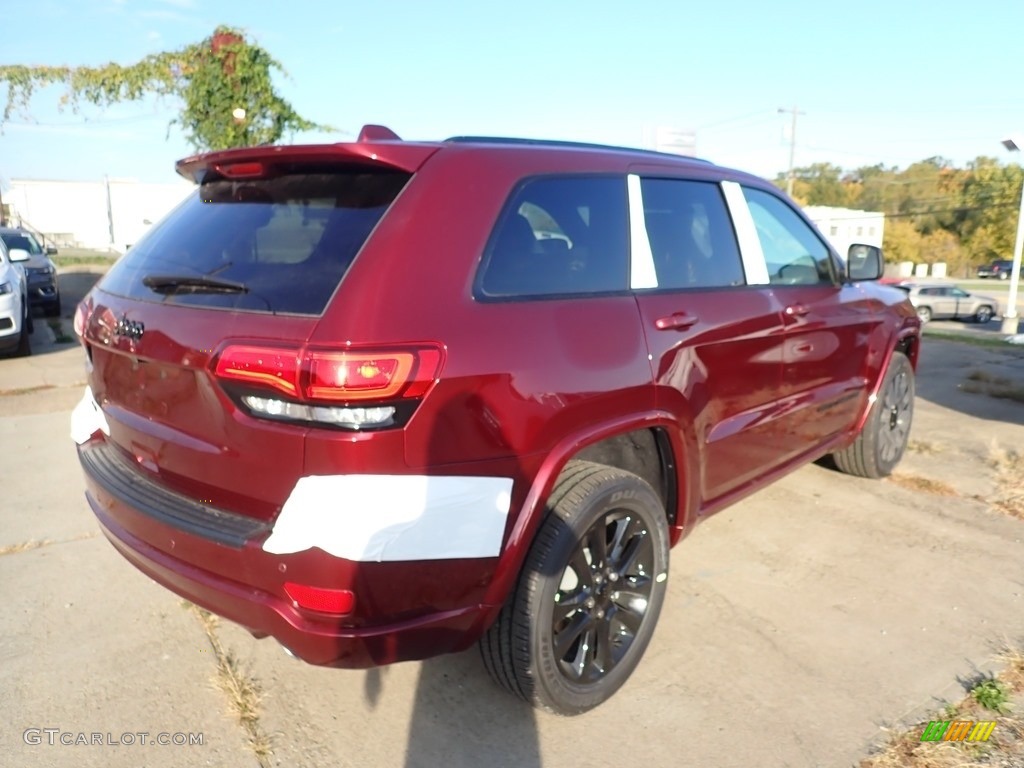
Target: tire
984, 314
924, 314
1003, 276
24, 348
566, 640
53, 310
883, 439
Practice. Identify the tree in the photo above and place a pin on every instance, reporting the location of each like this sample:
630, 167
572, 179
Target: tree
223, 83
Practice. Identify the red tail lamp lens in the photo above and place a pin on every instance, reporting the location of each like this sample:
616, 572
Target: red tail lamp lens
350, 376
268, 367
339, 601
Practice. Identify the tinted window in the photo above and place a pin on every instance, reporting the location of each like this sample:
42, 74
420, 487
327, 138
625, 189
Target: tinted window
794, 254
691, 234
289, 240
560, 236
25, 242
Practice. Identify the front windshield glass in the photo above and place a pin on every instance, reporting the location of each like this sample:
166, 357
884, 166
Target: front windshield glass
22, 240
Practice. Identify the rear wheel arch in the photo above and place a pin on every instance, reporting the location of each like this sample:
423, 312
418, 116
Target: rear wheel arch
665, 470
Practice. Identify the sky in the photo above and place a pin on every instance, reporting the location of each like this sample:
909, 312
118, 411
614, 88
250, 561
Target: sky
875, 82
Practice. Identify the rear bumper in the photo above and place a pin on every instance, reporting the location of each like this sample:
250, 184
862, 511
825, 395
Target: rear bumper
262, 613
405, 609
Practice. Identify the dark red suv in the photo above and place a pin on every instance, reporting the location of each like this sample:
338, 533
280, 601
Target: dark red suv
383, 400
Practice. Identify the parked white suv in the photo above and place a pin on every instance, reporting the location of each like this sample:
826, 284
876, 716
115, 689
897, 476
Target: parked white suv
15, 317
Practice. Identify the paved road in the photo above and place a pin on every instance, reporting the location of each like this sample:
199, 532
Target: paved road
797, 625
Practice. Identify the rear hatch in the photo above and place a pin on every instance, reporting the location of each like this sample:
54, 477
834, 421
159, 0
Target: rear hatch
247, 264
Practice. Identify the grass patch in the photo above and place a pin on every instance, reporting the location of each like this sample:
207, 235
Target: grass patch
29, 545
26, 390
995, 341
1009, 469
242, 690
24, 546
922, 484
992, 694
73, 257
59, 335
1000, 387
987, 701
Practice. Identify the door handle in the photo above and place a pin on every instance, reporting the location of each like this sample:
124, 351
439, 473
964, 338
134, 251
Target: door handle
797, 310
676, 321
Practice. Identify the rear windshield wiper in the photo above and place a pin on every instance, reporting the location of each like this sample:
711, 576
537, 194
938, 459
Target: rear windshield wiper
191, 284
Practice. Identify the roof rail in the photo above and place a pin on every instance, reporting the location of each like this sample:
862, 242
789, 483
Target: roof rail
569, 144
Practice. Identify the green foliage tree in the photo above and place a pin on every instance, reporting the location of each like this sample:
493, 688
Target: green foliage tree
223, 82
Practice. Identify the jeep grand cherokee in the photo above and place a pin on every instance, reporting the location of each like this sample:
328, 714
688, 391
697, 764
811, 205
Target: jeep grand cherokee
383, 400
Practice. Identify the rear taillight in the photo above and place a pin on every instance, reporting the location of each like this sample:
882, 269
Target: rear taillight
264, 367
352, 388
82, 312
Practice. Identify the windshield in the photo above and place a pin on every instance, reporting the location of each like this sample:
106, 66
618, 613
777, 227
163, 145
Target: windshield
25, 241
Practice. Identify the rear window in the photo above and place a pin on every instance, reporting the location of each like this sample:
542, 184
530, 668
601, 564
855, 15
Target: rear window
280, 244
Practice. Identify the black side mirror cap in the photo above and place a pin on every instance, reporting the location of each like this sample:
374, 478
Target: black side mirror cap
864, 262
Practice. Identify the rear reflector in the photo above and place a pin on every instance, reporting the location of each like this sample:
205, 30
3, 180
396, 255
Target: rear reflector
338, 601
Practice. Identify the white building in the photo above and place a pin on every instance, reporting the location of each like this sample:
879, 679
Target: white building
843, 226
110, 214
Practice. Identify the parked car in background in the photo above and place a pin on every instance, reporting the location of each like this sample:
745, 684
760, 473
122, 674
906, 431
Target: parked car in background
941, 301
40, 269
15, 317
382, 400
998, 269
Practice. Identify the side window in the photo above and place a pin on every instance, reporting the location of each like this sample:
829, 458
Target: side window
794, 254
560, 235
691, 235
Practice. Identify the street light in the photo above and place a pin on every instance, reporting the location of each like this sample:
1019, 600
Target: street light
1010, 319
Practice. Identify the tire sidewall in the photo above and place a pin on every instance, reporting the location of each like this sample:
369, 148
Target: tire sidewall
898, 364
623, 493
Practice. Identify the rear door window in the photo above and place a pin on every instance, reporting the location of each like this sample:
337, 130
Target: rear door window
692, 241
279, 244
559, 236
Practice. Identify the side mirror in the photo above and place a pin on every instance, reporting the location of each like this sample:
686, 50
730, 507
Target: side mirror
18, 254
864, 262
51, 250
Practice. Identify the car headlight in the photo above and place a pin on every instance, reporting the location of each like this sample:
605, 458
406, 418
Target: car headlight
5, 288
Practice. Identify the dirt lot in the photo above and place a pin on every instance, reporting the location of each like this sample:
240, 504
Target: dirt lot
799, 624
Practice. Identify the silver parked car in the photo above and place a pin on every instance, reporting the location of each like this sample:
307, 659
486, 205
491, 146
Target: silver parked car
941, 301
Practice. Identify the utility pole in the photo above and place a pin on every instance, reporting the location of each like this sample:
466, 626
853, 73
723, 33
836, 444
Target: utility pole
792, 146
